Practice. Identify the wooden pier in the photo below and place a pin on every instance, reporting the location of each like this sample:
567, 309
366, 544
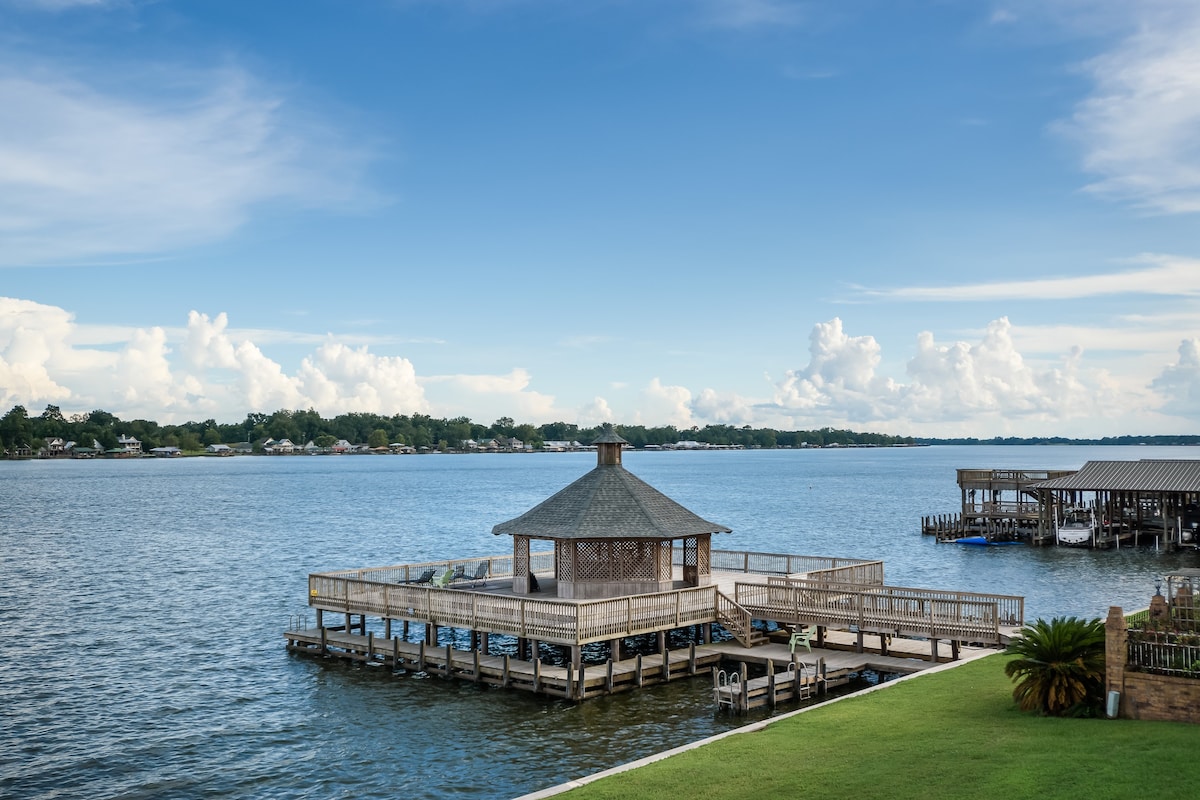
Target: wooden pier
755, 599
630, 562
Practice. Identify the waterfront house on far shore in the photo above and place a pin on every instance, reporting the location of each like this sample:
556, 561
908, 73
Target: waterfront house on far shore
219, 450
166, 452
129, 444
275, 447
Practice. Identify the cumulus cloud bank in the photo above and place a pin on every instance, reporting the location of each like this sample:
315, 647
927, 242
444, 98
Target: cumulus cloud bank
961, 387
209, 373
205, 370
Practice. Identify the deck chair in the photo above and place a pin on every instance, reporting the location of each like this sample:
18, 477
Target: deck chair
442, 581
425, 576
800, 635
480, 576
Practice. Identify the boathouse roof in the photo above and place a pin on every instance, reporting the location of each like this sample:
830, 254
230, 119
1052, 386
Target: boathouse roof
1147, 475
609, 503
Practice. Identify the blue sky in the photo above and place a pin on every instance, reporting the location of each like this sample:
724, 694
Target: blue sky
930, 218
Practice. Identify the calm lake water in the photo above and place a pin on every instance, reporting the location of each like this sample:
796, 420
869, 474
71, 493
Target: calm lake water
142, 605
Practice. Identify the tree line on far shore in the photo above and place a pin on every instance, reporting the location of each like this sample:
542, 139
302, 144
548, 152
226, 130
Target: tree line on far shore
18, 428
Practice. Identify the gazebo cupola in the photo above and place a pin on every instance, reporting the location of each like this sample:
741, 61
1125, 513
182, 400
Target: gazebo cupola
613, 534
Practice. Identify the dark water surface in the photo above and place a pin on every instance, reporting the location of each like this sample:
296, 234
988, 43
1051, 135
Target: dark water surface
142, 605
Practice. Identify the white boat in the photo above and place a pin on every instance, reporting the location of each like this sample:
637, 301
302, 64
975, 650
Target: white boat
1077, 527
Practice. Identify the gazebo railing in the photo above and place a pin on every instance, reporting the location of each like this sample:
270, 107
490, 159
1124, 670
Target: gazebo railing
550, 620
778, 563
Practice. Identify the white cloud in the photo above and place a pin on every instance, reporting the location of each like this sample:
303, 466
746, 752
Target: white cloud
492, 396
1164, 274
1179, 383
1140, 125
90, 172
596, 412
210, 373
981, 388
723, 409
665, 405
840, 375
31, 337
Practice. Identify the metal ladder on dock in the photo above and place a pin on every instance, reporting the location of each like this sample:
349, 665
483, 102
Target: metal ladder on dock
728, 691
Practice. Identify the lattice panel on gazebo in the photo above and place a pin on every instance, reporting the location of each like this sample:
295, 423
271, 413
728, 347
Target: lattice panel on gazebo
520, 555
689, 551
704, 557
592, 561
636, 559
664, 559
564, 561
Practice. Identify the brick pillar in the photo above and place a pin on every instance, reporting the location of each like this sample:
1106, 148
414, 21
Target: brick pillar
1116, 635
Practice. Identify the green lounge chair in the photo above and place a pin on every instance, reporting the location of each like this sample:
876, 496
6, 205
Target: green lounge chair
800, 635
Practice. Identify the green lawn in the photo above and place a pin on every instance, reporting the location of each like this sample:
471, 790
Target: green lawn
953, 734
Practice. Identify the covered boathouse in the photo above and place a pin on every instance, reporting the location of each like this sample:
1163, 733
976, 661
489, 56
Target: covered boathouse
630, 563
1151, 501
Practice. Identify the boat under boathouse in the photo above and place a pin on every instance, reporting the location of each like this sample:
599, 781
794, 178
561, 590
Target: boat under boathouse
631, 569
613, 534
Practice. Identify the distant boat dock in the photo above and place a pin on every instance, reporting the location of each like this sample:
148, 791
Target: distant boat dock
1148, 502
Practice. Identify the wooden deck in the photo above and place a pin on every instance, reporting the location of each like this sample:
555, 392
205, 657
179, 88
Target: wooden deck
934, 614
752, 596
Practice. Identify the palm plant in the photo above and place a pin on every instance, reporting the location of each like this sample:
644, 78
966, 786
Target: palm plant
1059, 667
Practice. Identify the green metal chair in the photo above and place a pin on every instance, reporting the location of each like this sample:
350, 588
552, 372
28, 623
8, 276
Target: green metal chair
443, 580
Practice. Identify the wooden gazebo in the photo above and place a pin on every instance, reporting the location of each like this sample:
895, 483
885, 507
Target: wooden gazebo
613, 534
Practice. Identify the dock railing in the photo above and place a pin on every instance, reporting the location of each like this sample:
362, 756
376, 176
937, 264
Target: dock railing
549, 620
960, 616
498, 567
782, 564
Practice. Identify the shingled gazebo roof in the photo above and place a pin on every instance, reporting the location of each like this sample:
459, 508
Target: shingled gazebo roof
609, 503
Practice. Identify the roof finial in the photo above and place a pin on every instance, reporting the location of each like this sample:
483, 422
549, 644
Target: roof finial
608, 446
